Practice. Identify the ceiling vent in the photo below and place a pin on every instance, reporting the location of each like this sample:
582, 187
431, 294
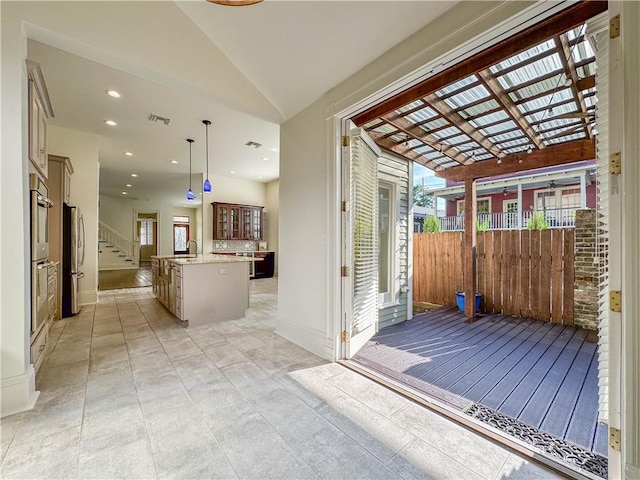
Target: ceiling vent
253, 144
157, 118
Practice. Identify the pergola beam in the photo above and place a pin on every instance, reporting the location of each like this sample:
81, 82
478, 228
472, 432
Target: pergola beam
573, 15
401, 150
460, 123
420, 134
558, 155
491, 83
564, 51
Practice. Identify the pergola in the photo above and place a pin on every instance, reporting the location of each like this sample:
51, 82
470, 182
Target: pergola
526, 102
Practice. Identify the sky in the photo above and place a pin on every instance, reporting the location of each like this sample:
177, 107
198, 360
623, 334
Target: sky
422, 174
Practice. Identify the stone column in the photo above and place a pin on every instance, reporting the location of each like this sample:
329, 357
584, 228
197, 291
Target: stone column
586, 271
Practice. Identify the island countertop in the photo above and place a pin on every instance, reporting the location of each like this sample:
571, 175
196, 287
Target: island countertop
203, 259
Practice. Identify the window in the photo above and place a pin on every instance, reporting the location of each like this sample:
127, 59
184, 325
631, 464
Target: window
180, 219
386, 242
483, 205
146, 232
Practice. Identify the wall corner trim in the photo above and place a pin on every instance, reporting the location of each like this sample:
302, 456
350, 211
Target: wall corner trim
309, 339
18, 393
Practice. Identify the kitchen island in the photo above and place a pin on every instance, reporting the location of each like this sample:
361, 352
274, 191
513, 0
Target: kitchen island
201, 289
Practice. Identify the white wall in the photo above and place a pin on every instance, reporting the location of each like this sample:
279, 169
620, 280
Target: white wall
229, 190
272, 221
309, 233
82, 150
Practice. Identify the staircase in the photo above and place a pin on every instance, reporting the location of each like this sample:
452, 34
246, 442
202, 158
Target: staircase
115, 251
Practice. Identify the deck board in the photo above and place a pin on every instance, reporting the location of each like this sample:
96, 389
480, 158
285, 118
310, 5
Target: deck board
543, 374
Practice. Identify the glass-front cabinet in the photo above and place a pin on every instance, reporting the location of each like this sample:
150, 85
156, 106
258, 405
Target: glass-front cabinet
237, 222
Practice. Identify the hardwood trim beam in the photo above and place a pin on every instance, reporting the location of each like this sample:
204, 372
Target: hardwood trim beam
470, 243
461, 124
492, 84
568, 18
418, 133
518, 162
564, 51
586, 83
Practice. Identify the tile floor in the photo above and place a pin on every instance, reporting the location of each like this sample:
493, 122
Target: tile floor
127, 393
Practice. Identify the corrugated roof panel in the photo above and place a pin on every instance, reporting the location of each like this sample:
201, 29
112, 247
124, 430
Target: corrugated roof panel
410, 106
566, 138
513, 143
483, 157
372, 123
437, 123
491, 117
538, 87
457, 139
479, 109
424, 149
446, 132
570, 107
468, 96
506, 136
399, 137
531, 52
521, 148
545, 101
421, 115
432, 155
557, 123
450, 164
582, 51
413, 143
384, 129
457, 85
586, 70
529, 72
494, 129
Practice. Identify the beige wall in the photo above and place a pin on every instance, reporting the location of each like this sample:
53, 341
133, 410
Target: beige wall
82, 150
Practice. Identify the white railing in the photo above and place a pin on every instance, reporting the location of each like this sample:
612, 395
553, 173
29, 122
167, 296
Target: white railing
113, 237
555, 218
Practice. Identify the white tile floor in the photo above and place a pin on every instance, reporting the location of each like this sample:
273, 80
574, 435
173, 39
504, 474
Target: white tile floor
127, 393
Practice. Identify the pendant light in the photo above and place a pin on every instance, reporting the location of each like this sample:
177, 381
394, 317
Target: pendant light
207, 184
190, 195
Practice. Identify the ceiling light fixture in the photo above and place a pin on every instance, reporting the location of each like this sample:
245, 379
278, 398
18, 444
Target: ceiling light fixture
190, 196
232, 171
113, 93
265, 158
128, 154
134, 174
111, 123
235, 3
128, 185
124, 193
174, 161
206, 187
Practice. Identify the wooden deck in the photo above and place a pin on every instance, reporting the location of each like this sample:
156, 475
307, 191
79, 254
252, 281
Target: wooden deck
542, 374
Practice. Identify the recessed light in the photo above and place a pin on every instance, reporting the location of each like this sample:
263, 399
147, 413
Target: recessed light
124, 193
265, 158
260, 176
275, 149
134, 174
111, 123
174, 161
128, 185
113, 93
128, 154
232, 171
200, 193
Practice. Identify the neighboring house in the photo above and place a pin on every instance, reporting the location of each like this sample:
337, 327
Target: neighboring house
419, 214
509, 201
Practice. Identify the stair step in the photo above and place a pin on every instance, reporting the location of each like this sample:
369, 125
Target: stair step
109, 246
128, 260
122, 256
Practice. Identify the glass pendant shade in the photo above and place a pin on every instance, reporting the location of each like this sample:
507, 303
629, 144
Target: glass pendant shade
206, 187
190, 195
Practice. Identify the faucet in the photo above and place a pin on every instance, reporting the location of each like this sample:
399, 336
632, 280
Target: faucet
189, 244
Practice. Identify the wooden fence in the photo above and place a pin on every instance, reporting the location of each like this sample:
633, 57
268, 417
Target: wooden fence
519, 272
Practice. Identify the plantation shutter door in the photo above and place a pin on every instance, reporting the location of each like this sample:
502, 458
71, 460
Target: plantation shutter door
363, 230
601, 41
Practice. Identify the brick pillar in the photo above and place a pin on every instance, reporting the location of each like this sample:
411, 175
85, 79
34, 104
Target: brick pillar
586, 271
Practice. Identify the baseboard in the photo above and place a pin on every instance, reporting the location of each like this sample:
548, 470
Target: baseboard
309, 339
19, 393
88, 297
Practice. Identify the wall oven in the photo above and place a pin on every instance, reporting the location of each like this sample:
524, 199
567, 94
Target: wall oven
40, 205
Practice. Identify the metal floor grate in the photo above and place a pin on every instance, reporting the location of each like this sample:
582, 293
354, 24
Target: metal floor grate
557, 447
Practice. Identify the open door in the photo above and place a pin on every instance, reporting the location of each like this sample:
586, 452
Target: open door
360, 241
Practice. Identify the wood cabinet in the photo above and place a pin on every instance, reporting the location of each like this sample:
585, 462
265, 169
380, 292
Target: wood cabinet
237, 222
40, 111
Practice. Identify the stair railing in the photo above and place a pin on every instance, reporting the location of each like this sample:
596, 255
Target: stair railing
110, 235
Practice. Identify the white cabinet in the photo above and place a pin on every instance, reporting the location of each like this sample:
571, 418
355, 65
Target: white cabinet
40, 111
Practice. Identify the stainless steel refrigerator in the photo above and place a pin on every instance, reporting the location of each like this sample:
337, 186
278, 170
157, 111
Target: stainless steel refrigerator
73, 237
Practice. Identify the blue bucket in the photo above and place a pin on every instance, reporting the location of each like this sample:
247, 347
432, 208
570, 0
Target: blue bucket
460, 301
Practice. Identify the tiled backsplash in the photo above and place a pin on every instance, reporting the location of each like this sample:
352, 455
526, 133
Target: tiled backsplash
234, 246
